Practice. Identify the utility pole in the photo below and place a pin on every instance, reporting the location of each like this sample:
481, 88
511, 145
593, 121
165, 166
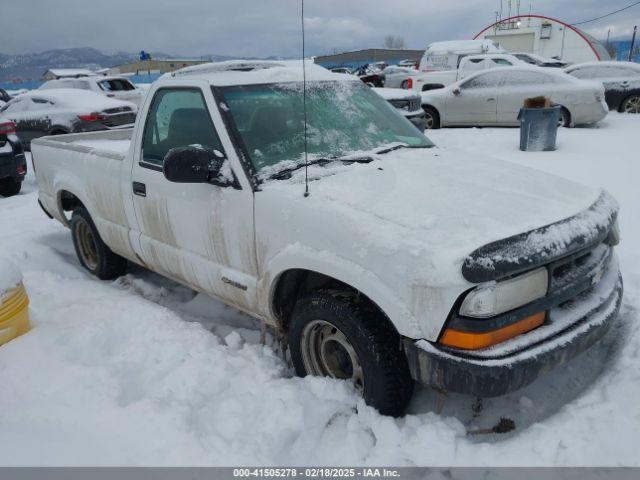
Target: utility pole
633, 42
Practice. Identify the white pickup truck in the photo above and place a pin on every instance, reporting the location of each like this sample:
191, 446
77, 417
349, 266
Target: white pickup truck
425, 80
403, 262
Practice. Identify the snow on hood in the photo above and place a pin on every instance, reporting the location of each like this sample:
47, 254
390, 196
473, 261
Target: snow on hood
439, 203
10, 276
395, 93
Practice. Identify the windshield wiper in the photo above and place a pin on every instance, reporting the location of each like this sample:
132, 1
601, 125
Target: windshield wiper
396, 147
285, 173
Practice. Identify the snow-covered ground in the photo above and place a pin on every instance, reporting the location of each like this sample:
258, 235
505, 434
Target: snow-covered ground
141, 371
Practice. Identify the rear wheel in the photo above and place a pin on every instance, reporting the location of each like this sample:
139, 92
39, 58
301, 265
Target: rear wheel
93, 253
631, 104
565, 118
432, 118
341, 335
10, 187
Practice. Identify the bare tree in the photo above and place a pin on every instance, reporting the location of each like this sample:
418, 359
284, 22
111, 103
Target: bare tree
391, 41
613, 51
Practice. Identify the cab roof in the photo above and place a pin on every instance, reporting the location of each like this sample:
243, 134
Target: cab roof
253, 72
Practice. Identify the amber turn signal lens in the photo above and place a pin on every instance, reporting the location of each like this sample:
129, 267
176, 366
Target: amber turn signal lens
476, 341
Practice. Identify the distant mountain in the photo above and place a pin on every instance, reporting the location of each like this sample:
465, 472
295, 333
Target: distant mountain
31, 66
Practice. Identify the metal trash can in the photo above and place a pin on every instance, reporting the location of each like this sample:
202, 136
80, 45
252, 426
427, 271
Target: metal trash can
538, 128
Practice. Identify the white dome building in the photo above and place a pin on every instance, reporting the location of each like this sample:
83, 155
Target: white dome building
544, 36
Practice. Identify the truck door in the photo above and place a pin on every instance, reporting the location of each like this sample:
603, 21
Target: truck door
198, 234
474, 101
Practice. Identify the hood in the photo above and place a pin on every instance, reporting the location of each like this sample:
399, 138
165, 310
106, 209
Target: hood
439, 205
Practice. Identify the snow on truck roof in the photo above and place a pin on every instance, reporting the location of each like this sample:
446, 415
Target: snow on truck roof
248, 72
462, 47
74, 97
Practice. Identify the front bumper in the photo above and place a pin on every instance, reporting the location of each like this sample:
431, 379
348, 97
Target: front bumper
570, 330
418, 118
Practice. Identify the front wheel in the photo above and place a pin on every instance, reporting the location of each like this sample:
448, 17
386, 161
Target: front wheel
93, 253
341, 335
631, 104
432, 118
10, 187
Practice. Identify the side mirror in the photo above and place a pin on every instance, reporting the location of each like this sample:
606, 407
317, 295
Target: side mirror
196, 164
456, 91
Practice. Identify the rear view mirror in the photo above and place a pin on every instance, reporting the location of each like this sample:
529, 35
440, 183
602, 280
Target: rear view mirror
457, 91
196, 164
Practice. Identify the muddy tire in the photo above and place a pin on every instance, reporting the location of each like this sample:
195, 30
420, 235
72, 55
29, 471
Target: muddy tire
10, 187
341, 335
432, 118
92, 252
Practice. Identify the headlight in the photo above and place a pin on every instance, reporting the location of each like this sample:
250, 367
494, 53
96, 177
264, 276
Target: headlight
494, 298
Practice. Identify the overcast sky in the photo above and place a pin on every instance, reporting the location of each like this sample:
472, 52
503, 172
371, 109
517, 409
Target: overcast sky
271, 27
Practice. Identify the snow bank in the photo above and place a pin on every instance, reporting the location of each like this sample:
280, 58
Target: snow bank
10, 276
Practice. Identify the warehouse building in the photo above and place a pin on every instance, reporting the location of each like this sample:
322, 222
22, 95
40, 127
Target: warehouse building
357, 58
545, 36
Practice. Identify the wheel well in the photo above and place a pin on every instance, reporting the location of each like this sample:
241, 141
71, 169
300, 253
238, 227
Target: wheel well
68, 203
58, 131
566, 110
294, 283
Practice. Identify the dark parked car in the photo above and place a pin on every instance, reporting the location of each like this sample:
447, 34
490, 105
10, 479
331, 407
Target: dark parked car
370, 75
54, 112
13, 164
621, 82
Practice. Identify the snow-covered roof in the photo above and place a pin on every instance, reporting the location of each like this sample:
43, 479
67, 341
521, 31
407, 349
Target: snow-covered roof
633, 65
74, 97
70, 72
461, 47
248, 72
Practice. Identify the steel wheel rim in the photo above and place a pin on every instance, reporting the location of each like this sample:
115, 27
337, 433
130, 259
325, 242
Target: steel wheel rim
326, 352
428, 121
87, 245
632, 105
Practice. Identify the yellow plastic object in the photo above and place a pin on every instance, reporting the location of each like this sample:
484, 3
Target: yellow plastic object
14, 314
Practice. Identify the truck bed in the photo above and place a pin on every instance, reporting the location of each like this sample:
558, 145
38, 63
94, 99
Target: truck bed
108, 143
92, 166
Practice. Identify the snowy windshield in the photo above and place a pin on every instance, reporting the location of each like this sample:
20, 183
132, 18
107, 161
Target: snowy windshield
343, 118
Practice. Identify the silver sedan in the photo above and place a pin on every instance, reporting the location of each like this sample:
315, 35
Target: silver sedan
494, 97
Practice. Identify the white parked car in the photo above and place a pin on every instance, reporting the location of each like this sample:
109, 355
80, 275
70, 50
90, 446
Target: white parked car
494, 97
405, 262
396, 77
469, 64
119, 88
59, 111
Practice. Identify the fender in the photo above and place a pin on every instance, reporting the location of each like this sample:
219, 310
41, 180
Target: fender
298, 257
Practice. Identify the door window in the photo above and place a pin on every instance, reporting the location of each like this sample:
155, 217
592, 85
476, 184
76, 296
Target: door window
525, 77
484, 80
177, 118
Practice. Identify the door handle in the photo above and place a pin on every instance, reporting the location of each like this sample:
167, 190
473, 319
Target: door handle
139, 189
491, 99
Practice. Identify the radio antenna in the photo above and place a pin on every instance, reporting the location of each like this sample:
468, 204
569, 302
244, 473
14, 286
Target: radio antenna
304, 107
